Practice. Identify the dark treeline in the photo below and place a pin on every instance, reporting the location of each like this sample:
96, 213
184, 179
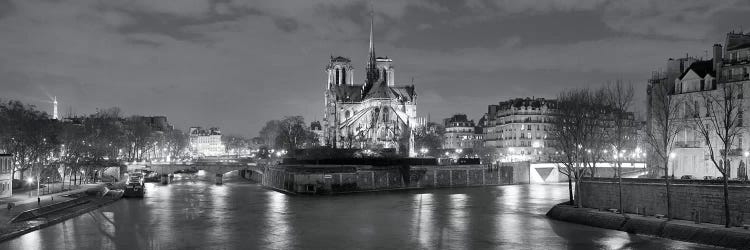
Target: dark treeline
81, 144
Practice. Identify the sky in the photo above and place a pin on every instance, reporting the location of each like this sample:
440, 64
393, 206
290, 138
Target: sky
236, 64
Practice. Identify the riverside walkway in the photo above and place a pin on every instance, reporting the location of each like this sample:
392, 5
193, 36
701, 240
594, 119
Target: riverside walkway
23, 202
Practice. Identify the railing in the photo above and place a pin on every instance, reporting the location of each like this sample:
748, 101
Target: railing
737, 60
688, 144
732, 152
736, 77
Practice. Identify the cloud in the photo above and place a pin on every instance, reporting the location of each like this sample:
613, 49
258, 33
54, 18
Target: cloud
533, 6
682, 19
615, 55
229, 61
181, 7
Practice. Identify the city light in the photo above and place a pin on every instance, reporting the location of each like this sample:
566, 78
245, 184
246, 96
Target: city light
30, 180
672, 155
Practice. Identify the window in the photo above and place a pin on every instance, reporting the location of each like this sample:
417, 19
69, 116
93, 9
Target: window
739, 118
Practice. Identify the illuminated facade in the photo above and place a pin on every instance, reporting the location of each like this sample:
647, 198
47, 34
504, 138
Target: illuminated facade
6, 175
377, 113
206, 142
461, 133
688, 81
519, 129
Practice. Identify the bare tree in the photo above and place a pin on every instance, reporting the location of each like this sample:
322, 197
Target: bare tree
621, 133
663, 130
720, 128
569, 135
28, 134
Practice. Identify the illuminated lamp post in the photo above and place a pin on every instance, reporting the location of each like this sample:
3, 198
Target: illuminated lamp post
671, 157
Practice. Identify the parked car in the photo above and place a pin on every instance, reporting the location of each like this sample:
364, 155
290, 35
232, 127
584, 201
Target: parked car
687, 177
707, 177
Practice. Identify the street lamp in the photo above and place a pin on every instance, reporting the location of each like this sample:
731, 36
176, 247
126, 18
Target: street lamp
671, 156
29, 181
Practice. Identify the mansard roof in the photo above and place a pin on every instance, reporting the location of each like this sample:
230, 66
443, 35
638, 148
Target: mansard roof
527, 102
737, 41
701, 68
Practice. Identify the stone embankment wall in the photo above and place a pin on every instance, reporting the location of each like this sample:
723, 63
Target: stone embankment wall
675, 229
322, 179
690, 198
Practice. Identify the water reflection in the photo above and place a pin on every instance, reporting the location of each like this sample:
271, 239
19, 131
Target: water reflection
456, 236
277, 232
423, 219
193, 213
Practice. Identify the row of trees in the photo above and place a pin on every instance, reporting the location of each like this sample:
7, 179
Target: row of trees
590, 127
595, 126
289, 133
93, 142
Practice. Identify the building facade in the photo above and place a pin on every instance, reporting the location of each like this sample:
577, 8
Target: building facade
518, 129
461, 133
317, 129
6, 175
689, 81
206, 142
376, 113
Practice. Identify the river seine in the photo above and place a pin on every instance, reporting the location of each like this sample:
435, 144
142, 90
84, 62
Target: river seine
193, 213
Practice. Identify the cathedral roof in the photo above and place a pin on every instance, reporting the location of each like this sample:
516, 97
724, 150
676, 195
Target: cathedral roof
353, 93
347, 93
380, 90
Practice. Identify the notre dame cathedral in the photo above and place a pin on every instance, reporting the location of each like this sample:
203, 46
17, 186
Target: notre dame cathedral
377, 113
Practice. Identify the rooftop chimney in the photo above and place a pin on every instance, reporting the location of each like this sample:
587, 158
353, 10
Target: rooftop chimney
717, 59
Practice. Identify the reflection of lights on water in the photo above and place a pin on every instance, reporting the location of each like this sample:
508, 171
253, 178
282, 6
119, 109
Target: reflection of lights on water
423, 219
458, 218
277, 232
31, 240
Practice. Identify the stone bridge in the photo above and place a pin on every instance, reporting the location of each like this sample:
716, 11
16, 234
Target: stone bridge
214, 167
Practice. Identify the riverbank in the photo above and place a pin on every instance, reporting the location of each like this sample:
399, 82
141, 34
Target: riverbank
317, 179
709, 234
30, 216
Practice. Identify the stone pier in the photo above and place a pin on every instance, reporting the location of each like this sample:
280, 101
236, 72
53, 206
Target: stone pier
219, 179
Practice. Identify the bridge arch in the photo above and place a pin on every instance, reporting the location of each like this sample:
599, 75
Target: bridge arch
218, 169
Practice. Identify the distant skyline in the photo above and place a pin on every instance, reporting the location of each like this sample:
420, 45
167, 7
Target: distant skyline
236, 64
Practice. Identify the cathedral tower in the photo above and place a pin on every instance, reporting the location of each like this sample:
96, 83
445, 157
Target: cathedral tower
340, 71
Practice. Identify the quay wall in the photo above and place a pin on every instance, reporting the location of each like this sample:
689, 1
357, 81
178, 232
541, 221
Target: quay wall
333, 179
691, 199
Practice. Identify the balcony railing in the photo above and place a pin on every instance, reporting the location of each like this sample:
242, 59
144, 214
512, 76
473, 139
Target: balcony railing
736, 77
736, 60
732, 152
688, 144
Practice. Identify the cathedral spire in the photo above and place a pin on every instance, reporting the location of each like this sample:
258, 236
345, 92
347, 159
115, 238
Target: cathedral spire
372, 73
372, 48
